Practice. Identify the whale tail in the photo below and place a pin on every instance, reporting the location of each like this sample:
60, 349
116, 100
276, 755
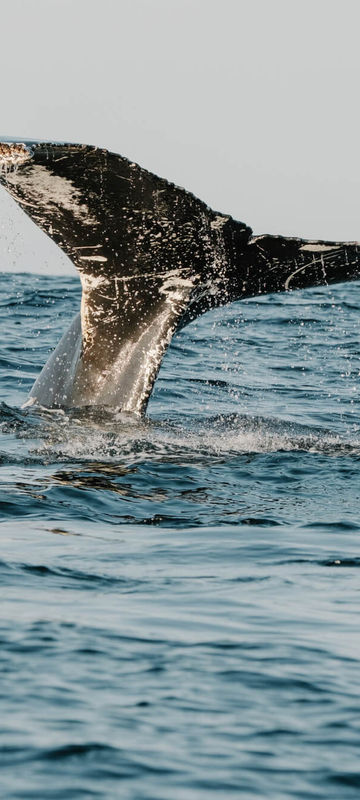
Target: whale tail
151, 258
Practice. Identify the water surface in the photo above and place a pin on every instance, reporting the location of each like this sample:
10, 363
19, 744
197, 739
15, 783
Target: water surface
180, 595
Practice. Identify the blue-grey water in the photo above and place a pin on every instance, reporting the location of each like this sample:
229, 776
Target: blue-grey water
180, 596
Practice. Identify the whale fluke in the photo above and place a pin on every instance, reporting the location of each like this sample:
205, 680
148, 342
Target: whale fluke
151, 258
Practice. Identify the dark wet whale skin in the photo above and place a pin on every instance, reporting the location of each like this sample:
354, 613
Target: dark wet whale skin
151, 258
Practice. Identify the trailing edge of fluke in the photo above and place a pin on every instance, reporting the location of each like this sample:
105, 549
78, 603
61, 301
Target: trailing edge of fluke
151, 258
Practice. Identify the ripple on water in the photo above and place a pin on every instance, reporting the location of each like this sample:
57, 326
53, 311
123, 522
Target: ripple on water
180, 604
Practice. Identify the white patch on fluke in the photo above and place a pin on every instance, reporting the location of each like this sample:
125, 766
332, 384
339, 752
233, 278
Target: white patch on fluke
89, 284
176, 288
312, 247
47, 190
218, 223
92, 258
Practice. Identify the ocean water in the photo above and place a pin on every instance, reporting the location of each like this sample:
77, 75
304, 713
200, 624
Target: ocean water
180, 596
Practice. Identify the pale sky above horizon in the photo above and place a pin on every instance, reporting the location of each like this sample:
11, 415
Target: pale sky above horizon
250, 104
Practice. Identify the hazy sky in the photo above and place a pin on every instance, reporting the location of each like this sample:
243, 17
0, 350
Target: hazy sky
251, 104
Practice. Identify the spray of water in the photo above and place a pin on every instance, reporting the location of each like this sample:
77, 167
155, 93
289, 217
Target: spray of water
81, 435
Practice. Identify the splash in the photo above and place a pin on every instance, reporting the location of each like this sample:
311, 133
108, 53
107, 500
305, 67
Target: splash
85, 434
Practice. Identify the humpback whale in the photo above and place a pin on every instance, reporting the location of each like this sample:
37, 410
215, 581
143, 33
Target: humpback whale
151, 258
